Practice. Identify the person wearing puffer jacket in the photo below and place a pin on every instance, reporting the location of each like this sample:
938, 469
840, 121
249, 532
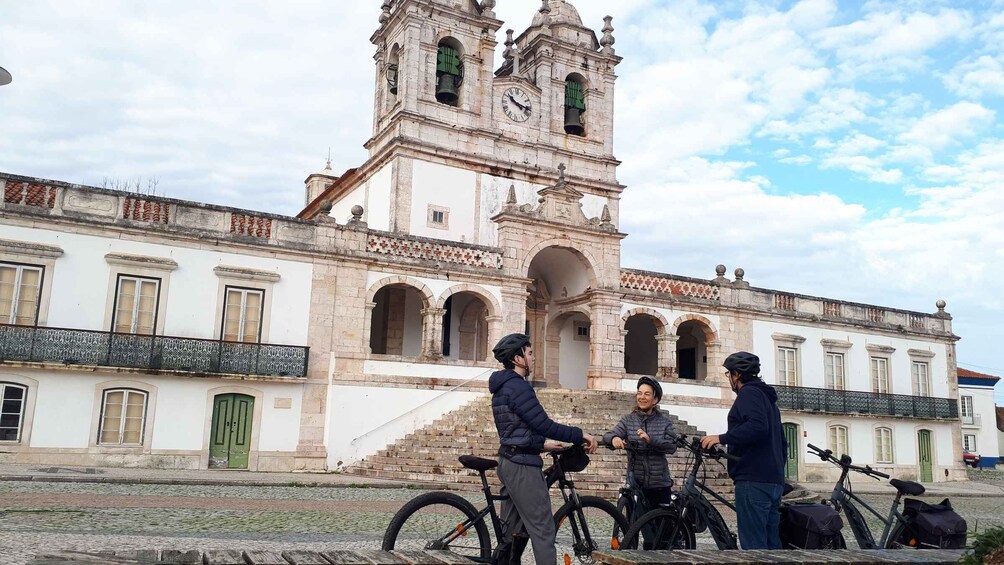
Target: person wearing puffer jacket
522, 426
647, 427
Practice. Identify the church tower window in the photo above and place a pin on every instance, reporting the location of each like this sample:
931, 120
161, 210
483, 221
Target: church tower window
449, 72
575, 105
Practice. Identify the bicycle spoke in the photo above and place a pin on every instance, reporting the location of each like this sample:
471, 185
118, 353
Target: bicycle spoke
438, 526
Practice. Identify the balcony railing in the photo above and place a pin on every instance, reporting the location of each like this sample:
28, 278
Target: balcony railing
157, 352
974, 420
805, 399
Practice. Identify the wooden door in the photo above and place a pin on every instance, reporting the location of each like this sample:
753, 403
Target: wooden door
230, 440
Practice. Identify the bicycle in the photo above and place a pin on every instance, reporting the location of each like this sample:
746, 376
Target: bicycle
445, 521
843, 500
675, 527
631, 500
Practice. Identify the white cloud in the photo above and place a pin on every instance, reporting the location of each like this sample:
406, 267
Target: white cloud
975, 79
946, 127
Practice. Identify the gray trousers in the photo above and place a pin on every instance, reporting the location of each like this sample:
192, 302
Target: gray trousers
528, 508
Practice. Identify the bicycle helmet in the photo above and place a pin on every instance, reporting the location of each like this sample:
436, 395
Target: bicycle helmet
509, 347
744, 363
656, 387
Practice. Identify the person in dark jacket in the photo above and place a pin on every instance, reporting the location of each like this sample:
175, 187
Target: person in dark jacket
523, 426
754, 436
648, 427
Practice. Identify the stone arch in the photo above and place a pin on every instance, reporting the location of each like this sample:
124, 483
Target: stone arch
589, 261
695, 355
429, 298
646, 353
662, 325
494, 308
706, 325
476, 331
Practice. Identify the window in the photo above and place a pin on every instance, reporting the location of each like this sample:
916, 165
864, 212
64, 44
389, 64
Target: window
883, 445
921, 378
242, 314
969, 442
20, 289
438, 217
967, 410
136, 305
575, 106
880, 375
123, 413
833, 369
581, 331
12, 398
449, 74
838, 440
787, 366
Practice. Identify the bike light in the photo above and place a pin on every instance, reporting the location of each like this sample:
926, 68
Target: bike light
614, 544
568, 559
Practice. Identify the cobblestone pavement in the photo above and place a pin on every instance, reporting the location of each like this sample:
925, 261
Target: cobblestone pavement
37, 516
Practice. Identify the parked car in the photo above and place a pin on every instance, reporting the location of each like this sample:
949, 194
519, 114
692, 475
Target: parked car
970, 458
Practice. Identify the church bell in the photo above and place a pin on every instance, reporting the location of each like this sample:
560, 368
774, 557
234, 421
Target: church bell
446, 89
573, 121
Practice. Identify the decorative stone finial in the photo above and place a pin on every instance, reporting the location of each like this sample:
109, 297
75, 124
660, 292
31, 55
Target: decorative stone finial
508, 53
740, 273
385, 11
605, 215
739, 282
357, 213
720, 270
561, 173
941, 310
511, 199
608, 36
545, 7
720, 276
326, 207
488, 8
941, 305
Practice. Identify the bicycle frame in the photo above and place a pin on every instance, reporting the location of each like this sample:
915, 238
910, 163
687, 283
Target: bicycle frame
844, 499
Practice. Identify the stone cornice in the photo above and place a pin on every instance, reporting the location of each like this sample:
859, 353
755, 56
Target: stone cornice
245, 273
142, 261
37, 250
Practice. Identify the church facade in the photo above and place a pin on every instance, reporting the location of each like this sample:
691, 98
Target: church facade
489, 204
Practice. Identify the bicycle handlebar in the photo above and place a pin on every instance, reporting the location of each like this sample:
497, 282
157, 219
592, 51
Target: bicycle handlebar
694, 446
844, 462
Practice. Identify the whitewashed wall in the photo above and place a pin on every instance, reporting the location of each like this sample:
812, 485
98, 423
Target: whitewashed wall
364, 420
448, 187
574, 356
373, 195
857, 358
81, 279
983, 406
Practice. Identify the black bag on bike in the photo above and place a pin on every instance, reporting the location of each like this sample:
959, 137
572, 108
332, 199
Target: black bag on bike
810, 526
932, 525
574, 460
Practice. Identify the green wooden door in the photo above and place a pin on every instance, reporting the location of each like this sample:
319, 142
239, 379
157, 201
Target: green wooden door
791, 462
230, 441
924, 455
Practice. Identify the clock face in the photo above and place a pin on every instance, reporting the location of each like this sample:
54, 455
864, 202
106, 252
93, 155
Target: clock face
516, 104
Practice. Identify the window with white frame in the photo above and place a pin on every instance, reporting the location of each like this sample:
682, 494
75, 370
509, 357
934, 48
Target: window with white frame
838, 440
12, 399
123, 413
242, 314
136, 305
920, 371
967, 409
787, 366
833, 370
969, 442
883, 445
880, 375
20, 290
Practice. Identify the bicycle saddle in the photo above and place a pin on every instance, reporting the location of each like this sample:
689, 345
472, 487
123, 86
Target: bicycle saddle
478, 463
908, 487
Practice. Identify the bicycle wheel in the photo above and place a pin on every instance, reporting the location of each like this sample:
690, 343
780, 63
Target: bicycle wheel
439, 520
602, 521
653, 531
624, 509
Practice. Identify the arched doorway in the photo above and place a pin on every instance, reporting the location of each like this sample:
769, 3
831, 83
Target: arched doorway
568, 351
692, 350
641, 349
396, 322
465, 327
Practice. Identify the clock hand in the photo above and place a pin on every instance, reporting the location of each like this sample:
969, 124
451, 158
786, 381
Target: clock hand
520, 106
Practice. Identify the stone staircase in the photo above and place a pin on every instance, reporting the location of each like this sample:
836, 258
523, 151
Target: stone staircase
430, 454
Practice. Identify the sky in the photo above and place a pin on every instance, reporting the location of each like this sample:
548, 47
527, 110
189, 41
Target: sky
852, 150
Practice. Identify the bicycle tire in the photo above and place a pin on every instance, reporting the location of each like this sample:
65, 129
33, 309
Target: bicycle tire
429, 518
660, 521
623, 504
602, 521
894, 535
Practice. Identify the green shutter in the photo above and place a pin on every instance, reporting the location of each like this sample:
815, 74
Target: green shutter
448, 61
574, 97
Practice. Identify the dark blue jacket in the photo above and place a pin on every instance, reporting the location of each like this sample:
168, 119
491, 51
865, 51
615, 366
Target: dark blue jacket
521, 420
755, 435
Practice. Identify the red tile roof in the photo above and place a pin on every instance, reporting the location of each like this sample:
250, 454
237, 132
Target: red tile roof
974, 375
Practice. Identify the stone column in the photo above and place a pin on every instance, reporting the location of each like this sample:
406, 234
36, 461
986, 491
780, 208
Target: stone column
513, 309
667, 354
606, 347
494, 334
432, 333
551, 357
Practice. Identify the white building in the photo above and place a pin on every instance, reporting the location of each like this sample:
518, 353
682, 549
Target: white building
489, 204
979, 415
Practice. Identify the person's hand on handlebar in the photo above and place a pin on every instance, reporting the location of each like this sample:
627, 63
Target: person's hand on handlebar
707, 442
591, 443
551, 445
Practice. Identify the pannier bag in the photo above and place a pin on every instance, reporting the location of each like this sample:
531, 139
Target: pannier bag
932, 525
810, 526
574, 460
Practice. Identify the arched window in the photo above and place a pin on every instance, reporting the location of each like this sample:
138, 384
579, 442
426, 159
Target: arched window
838, 440
12, 399
575, 104
449, 71
392, 72
123, 415
883, 445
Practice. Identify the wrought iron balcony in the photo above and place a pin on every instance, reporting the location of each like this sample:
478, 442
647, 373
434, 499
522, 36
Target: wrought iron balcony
803, 399
152, 352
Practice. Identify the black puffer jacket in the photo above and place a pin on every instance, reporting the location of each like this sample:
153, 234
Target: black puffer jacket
520, 419
651, 470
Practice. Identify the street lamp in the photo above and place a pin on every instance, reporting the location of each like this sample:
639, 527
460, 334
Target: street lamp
5, 77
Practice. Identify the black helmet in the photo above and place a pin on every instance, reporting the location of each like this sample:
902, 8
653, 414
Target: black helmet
656, 387
744, 363
508, 347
